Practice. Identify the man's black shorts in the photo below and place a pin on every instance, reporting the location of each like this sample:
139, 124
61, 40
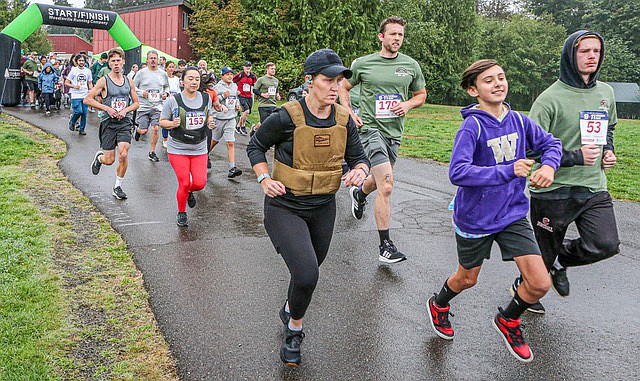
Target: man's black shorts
246, 103
265, 112
112, 133
31, 85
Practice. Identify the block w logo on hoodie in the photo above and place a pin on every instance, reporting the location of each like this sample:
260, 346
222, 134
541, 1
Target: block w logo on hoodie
504, 147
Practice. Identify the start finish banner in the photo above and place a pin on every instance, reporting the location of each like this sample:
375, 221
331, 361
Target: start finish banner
75, 17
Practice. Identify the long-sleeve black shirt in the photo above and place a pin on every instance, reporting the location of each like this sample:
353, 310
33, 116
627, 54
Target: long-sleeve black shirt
277, 130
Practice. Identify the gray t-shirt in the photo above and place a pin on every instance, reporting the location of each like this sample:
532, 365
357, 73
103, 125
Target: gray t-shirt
174, 146
155, 83
231, 101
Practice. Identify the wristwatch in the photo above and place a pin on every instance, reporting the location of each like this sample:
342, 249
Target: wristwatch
263, 176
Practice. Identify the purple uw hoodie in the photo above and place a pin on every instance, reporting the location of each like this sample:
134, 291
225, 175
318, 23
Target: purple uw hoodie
490, 196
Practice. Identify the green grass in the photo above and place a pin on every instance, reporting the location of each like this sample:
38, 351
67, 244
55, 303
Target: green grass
430, 130
72, 303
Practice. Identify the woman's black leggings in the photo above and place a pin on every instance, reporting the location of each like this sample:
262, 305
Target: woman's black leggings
302, 237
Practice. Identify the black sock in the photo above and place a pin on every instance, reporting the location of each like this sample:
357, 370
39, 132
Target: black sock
360, 195
384, 234
445, 295
515, 308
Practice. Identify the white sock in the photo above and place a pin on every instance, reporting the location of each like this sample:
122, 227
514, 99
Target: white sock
291, 327
557, 265
232, 164
119, 181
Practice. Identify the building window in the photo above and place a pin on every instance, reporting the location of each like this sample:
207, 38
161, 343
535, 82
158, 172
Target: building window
185, 20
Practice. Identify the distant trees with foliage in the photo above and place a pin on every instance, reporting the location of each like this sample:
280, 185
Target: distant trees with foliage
37, 42
525, 36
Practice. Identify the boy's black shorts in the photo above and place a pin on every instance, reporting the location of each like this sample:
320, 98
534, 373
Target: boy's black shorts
515, 240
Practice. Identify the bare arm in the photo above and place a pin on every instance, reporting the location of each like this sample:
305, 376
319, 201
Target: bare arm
345, 100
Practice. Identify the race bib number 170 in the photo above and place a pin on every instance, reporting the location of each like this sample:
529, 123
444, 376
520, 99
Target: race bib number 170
593, 127
384, 104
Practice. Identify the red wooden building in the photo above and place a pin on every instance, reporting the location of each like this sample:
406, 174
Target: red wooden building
162, 25
69, 43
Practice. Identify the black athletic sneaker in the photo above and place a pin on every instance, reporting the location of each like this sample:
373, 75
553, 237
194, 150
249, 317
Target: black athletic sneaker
536, 308
82, 132
119, 193
440, 319
191, 201
182, 219
511, 332
560, 281
153, 157
233, 172
238, 130
136, 135
96, 164
290, 350
284, 315
357, 206
243, 130
389, 253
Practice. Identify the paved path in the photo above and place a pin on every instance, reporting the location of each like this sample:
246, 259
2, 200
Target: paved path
216, 287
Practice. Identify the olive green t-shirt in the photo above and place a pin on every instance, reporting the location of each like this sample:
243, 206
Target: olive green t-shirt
557, 110
269, 85
31, 66
385, 82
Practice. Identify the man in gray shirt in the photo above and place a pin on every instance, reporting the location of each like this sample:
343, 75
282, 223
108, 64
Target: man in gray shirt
152, 87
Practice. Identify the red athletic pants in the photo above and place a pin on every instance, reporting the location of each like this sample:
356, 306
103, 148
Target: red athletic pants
191, 172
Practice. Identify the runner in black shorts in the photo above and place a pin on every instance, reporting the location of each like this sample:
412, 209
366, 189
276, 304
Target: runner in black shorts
266, 89
490, 168
245, 81
119, 100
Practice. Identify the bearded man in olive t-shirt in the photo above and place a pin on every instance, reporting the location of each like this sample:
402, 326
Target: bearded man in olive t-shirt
391, 84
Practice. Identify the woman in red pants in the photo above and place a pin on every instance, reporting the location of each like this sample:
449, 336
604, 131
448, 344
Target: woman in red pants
188, 115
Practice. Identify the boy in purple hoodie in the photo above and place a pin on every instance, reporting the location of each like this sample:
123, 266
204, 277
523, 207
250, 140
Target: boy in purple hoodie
489, 166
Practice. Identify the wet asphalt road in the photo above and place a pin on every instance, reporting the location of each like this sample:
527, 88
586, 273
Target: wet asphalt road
216, 287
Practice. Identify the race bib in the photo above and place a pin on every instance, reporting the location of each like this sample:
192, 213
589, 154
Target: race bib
194, 119
593, 127
118, 103
272, 90
384, 103
231, 101
154, 95
246, 88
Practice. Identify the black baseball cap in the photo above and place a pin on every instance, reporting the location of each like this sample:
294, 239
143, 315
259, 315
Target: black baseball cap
326, 62
247, 63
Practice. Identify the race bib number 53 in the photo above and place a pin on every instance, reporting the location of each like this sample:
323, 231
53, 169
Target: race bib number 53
384, 104
593, 127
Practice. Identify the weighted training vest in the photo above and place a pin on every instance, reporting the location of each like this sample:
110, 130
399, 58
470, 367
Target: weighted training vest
193, 122
317, 154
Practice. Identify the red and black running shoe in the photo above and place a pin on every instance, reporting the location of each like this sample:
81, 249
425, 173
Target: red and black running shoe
511, 332
440, 319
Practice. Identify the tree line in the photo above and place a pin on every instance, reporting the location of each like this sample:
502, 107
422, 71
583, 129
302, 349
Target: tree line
525, 36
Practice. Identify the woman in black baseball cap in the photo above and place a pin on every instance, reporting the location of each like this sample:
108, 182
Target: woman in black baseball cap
311, 137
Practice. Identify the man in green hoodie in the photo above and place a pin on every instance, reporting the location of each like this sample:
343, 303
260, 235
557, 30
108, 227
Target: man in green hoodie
580, 111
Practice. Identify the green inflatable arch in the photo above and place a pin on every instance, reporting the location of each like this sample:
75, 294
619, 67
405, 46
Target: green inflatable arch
12, 36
